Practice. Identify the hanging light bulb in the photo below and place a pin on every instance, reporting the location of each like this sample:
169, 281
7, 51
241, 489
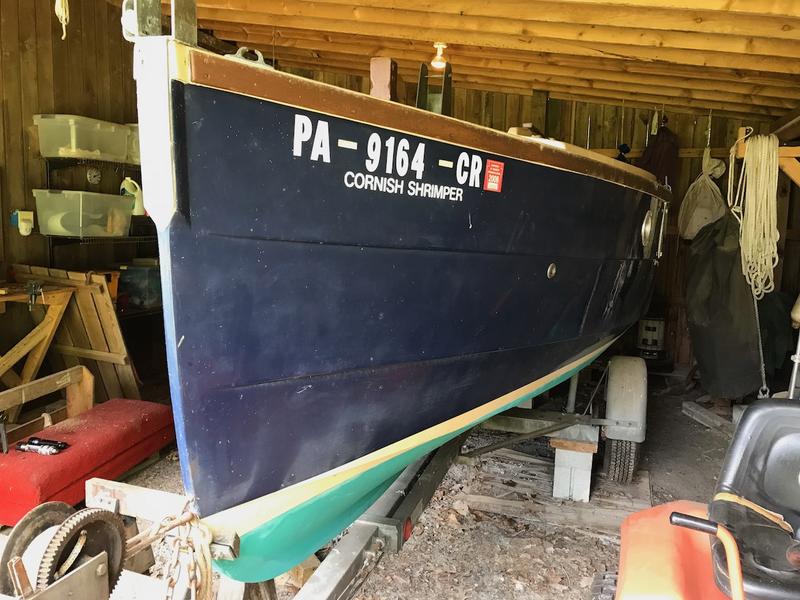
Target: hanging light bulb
439, 61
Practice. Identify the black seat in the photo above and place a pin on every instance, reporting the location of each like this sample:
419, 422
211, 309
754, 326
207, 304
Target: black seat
763, 467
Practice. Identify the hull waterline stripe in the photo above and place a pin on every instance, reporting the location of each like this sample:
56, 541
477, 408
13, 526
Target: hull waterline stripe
250, 515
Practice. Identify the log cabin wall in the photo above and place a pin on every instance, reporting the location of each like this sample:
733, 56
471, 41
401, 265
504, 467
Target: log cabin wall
89, 73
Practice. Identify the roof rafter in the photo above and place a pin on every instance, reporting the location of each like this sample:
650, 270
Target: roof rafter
594, 13
491, 81
518, 26
532, 76
529, 43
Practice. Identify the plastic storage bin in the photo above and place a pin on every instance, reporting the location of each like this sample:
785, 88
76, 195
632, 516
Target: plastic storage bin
83, 214
133, 145
73, 136
140, 286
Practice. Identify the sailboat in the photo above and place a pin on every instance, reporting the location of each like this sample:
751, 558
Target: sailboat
349, 283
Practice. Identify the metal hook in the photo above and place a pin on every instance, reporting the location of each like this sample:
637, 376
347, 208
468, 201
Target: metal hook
708, 139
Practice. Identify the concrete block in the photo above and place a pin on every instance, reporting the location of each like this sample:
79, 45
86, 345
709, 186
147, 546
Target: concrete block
572, 476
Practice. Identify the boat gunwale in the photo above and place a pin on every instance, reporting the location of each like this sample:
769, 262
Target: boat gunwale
201, 67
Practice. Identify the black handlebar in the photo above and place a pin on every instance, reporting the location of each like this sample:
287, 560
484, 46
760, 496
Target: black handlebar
690, 522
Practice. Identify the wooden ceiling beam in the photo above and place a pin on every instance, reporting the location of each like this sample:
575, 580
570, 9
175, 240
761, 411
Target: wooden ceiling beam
782, 8
699, 75
541, 73
494, 86
355, 66
526, 43
655, 17
413, 60
787, 128
450, 25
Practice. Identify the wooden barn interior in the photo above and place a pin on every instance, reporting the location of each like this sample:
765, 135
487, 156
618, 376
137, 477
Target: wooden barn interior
591, 73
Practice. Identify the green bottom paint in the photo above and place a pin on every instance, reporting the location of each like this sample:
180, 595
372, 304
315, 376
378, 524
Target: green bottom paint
278, 545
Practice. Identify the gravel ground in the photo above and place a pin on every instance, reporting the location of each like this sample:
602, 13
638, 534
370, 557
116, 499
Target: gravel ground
463, 555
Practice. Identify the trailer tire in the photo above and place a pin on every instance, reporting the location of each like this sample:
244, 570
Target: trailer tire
622, 460
604, 586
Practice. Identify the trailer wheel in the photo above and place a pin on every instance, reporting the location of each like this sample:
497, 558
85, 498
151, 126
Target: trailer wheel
622, 460
604, 586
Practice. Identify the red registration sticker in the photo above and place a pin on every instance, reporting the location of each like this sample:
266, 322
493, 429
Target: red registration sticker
493, 181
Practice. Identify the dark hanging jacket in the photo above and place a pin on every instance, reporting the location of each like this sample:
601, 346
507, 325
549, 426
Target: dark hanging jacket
661, 156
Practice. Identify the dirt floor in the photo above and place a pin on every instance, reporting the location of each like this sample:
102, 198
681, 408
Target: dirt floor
466, 555
457, 553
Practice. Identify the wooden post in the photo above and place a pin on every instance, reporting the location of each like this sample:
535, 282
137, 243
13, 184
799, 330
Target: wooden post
80, 395
784, 191
383, 78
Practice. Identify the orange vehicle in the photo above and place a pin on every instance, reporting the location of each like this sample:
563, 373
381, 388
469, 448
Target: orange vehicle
743, 545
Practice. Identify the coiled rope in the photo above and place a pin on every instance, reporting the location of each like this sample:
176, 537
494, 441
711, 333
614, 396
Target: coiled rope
62, 13
755, 207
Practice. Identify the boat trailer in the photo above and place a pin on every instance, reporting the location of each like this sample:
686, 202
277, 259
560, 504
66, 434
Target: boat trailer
98, 553
56, 529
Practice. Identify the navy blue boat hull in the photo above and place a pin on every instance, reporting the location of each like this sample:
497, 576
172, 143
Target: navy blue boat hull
319, 324
321, 305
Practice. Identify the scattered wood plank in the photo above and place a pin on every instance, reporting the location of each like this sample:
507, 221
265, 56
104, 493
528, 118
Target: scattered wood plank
521, 486
606, 520
578, 515
708, 418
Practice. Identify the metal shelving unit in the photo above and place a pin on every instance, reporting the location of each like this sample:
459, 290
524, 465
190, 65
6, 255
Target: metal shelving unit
55, 164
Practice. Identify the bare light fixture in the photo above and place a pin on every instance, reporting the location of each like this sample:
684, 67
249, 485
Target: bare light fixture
439, 61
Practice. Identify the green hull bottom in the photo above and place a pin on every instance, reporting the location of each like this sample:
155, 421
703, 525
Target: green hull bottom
285, 541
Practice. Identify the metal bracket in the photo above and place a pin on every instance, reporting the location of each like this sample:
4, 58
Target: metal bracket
382, 529
184, 21
142, 18
87, 582
662, 230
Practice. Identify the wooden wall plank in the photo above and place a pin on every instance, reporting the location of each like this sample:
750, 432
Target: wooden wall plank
13, 187
44, 58
90, 78
89, 73
29, 94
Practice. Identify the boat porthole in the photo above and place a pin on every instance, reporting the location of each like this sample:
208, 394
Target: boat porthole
551, 270
647, 229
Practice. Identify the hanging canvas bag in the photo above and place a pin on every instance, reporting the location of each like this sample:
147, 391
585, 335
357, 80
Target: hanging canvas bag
703, 202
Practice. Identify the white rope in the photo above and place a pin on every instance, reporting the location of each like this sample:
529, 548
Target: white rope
755, 207
62, 13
